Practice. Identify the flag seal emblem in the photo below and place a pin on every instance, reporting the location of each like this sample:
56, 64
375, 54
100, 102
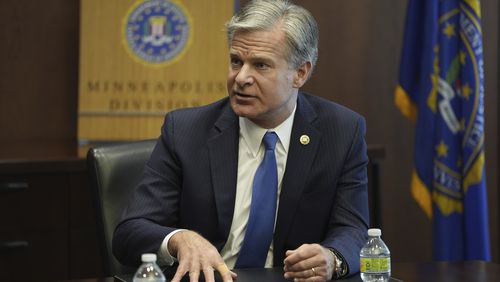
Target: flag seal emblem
441, 88
157, 32
456, 96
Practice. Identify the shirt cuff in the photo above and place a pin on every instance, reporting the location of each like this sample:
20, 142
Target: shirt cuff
164, 256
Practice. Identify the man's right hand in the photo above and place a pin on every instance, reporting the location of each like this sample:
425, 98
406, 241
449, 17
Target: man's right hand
195, 254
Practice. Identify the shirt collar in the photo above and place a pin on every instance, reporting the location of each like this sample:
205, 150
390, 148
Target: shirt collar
252, 133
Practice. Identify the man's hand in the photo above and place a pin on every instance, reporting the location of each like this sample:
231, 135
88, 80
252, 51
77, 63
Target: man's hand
309, 262
196, 254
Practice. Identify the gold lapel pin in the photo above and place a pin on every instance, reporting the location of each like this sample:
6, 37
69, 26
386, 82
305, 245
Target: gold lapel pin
304, 139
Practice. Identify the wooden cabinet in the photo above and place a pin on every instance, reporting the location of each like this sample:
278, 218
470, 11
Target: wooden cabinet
47, 221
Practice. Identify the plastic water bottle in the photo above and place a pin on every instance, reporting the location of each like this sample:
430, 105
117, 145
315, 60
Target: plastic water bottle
375, 258
149, 271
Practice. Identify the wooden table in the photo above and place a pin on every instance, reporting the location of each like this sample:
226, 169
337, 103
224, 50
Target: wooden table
472, 271
476, 271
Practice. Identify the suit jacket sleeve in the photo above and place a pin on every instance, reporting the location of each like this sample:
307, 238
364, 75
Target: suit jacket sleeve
349, 215
153, 210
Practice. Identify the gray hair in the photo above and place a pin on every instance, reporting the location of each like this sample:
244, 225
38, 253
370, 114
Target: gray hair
299, 26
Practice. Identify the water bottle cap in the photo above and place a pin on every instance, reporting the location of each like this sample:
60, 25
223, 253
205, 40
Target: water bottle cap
148, 257
374, 232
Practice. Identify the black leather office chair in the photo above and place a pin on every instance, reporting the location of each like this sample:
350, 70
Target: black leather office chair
114, 172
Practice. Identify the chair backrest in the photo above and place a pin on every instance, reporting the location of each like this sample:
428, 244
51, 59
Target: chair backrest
114, 172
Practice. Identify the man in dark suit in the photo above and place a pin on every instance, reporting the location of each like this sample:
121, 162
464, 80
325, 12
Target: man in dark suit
199, 200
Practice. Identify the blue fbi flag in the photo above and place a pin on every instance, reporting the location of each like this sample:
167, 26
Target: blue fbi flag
441, 89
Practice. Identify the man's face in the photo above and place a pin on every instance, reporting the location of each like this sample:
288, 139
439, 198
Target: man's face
261, 84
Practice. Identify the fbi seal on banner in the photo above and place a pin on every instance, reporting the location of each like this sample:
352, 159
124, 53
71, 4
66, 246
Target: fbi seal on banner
157, 32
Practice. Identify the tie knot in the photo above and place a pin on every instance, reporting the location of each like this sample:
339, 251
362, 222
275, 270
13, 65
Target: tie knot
270, 139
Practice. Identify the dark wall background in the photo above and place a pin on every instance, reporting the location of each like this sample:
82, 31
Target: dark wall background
358, 67
38, 77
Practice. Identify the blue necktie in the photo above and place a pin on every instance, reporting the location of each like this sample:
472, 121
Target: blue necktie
260, 227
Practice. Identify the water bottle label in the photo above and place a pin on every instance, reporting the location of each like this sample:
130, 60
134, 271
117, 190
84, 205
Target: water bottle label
375, 265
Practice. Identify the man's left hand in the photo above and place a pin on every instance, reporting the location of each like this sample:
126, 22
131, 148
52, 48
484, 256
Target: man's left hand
309, 262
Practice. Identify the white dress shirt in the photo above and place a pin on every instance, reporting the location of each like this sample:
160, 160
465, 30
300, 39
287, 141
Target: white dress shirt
250, 155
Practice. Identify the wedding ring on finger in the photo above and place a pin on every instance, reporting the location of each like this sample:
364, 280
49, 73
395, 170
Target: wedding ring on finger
314, 271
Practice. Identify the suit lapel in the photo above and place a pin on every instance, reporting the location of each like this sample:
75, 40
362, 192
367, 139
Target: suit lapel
223, 153
300, 160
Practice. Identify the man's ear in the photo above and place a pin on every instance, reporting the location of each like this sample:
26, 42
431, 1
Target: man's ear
301, 74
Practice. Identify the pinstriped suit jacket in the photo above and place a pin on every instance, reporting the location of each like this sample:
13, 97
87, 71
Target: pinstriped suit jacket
190, 182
